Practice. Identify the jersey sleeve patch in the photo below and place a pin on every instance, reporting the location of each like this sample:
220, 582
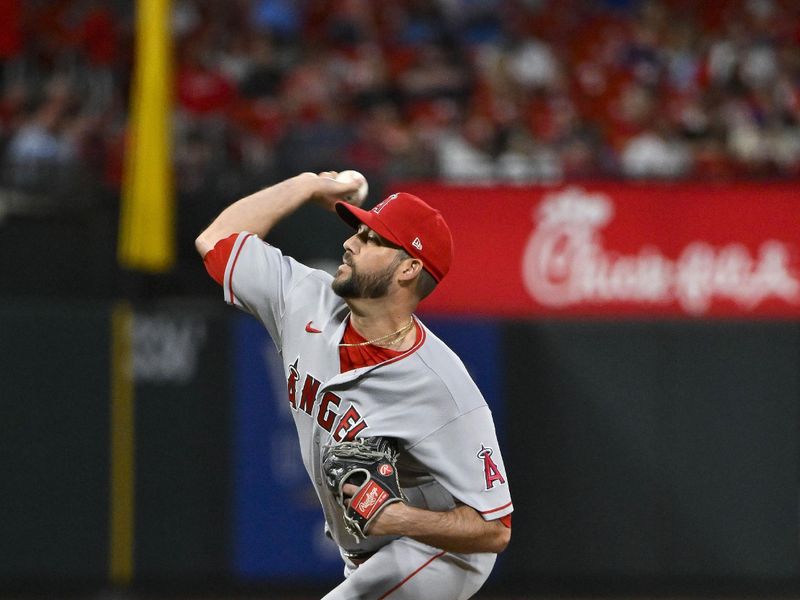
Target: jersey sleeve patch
217, 258
491, 473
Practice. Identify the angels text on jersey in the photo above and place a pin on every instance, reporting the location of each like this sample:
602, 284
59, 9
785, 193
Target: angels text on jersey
303, 397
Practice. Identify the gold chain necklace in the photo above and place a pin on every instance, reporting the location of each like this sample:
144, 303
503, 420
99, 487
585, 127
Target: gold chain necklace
400, 332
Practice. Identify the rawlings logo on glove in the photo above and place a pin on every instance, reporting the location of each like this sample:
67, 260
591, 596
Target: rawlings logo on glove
370, 464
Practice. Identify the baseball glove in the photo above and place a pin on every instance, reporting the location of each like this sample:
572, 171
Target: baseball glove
370, 464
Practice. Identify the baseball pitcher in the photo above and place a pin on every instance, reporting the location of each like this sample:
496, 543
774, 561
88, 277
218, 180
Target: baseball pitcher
394, 434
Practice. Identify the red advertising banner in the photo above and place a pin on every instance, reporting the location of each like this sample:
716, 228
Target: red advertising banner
620, 250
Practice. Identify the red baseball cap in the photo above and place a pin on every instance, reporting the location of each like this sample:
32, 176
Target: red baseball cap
408, 222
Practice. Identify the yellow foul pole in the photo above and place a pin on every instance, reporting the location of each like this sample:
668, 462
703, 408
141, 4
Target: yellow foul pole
147, 210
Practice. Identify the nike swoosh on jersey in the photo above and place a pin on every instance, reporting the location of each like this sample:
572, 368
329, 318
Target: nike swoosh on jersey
311, 329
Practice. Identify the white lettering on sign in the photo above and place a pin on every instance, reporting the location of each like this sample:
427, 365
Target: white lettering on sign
566, 264
166, 347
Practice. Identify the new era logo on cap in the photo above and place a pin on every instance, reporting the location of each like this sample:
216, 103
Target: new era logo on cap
417, 244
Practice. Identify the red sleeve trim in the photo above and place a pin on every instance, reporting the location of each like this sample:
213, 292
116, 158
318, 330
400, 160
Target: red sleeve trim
506, 521
217, 258
233, 266
486, 512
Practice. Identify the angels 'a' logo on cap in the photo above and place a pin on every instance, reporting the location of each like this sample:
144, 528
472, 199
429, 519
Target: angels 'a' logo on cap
417, 243
382, 204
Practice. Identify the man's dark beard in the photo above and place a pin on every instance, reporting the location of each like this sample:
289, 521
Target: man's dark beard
364, 286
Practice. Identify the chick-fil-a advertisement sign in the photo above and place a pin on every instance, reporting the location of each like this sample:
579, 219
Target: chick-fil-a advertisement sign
620, 250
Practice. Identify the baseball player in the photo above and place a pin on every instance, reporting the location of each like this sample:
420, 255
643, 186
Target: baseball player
359, 364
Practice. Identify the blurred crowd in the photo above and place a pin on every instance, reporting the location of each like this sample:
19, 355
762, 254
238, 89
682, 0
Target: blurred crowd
460, 90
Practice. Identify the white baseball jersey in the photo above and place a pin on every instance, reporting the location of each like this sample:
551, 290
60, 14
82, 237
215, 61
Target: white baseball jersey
423, 398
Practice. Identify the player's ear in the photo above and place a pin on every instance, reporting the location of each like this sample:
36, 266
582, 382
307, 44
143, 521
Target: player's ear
410, 269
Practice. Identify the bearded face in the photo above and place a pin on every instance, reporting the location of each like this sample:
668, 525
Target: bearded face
364, 285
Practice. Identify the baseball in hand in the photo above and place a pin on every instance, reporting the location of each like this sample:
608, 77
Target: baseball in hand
357, 198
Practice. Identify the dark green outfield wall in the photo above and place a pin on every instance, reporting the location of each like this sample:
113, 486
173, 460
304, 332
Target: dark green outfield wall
661, 454
54, 402
54, 442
